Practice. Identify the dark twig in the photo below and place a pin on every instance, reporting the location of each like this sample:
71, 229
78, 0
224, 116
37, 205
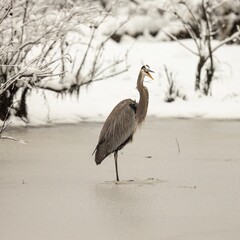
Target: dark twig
179, 151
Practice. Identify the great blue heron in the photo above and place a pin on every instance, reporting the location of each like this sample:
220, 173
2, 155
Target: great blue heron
122, 122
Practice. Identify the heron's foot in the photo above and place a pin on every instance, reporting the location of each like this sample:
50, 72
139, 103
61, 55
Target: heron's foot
140, 182
124, 181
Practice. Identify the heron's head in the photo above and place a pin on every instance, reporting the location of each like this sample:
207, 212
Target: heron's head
146, 71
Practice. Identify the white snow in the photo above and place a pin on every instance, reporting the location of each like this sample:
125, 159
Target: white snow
97, 100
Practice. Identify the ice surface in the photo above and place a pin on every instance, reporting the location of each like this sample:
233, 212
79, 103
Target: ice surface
52, 189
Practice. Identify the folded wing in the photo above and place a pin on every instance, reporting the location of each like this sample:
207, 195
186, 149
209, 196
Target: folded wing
117, 130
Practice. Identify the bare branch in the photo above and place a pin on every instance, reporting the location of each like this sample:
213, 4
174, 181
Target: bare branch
103, 78
102, 45
85, 55
182, 44
167, 74
188, 27
13, 139
226, 40
24, 20
8, 9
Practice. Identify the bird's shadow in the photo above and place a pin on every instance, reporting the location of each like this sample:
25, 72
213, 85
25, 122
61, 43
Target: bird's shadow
148, 181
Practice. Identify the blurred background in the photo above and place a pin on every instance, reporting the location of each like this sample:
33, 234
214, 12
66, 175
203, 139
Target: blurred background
70, 61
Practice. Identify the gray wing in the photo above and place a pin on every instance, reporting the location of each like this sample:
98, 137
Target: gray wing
117, 129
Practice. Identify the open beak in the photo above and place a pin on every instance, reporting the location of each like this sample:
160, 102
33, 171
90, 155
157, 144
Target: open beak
149, 75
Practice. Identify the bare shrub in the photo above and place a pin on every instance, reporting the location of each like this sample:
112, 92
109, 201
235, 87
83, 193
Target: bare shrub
36, 38
173, 92
201, 28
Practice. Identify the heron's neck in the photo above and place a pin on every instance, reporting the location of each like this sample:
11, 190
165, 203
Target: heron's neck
143, 101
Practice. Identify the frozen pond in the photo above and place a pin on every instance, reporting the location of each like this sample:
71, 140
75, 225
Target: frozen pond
186, 183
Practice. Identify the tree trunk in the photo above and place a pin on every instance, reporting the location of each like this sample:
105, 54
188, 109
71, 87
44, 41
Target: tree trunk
21, 110
6, 102
200, 65
209, 76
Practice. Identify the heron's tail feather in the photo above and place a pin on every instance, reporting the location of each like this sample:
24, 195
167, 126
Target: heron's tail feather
100, 154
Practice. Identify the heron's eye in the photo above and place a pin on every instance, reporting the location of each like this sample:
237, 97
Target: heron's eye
147, 67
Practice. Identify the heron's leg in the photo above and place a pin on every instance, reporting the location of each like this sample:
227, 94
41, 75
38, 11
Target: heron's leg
116, 166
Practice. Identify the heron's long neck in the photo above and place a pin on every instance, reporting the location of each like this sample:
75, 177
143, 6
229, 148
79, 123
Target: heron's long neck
143, 101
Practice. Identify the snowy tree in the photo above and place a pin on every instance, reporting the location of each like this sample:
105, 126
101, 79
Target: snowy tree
201, 27
36, 39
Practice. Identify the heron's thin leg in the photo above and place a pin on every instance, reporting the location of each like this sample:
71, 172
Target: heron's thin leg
116, 166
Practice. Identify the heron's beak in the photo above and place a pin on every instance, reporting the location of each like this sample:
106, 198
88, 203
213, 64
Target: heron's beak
149, 75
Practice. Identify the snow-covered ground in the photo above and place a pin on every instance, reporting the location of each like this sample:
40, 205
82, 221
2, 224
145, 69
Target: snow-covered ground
97, 100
